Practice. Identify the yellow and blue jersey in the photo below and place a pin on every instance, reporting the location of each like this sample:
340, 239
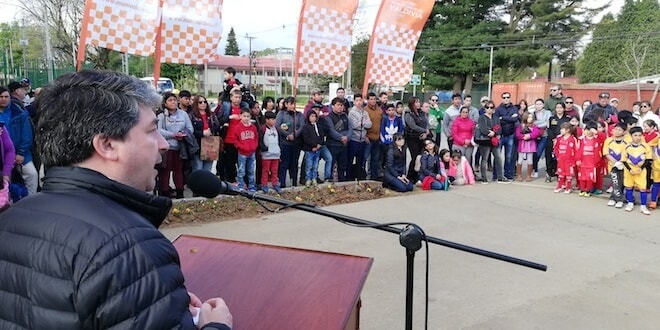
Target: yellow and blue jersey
615, 149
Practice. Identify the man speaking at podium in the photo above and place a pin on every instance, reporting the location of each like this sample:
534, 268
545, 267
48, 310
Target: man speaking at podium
85, 253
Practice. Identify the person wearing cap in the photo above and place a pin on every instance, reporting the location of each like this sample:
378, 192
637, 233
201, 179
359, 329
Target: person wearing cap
614, 102
556, 96
603, 103
17, 121
316, 97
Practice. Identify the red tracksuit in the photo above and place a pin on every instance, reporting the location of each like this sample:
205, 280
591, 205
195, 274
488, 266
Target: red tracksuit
601, 167
565, 152
589, 154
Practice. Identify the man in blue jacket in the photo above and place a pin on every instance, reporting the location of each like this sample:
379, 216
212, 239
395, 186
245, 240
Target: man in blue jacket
20, 131
508, 115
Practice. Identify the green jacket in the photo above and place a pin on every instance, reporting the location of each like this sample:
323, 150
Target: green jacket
437, 113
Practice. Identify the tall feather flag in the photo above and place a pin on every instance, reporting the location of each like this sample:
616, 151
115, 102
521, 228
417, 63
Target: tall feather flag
325, 34
127, 27
398, 25
174, 31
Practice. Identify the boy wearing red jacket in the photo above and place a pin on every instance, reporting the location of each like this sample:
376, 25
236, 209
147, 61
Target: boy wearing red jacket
246, 136
588, 157
564, 149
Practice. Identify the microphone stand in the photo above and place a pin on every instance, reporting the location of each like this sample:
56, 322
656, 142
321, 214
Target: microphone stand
410, 238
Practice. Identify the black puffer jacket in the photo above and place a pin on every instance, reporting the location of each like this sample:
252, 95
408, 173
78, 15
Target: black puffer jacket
85, 253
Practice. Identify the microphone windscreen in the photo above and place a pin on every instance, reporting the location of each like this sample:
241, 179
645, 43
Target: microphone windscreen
204, 183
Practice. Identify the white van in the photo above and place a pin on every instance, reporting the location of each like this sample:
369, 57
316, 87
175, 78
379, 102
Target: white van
164, 84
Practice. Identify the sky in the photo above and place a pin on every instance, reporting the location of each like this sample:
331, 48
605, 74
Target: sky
273, 24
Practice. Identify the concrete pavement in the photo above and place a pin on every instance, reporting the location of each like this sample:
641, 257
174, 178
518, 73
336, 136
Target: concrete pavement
603, 269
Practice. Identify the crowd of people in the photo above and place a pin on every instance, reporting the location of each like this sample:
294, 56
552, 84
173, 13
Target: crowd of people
370, 137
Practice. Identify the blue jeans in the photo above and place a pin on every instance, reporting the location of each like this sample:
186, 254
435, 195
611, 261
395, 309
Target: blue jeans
327, 158
506, 142
245, 166
312, 164
198, 164
374, 151
540, 149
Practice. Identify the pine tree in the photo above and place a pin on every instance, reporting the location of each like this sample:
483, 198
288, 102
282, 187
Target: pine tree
232, 44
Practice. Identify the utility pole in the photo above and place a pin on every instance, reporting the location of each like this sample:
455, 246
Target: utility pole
250, 38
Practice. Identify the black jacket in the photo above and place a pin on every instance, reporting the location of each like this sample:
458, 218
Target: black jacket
311, 138
86, 253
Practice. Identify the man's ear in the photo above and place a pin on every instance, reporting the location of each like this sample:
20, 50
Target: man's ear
105, 147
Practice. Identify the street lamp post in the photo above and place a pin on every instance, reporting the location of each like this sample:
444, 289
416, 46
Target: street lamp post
490, 71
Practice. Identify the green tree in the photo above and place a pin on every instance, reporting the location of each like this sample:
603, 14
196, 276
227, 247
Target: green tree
232, 44
359, 62
624, 48
450, 48
594, 64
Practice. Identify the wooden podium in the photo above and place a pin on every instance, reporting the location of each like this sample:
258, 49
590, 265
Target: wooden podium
273, 287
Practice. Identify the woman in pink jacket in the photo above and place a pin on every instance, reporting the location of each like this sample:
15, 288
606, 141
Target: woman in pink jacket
526, 134
462, 130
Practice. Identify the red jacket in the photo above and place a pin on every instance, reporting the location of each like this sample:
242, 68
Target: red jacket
233, 125
462, 129
247, 139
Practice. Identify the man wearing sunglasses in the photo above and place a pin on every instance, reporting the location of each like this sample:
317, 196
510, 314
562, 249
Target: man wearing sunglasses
556, 96
572, 109
507, 113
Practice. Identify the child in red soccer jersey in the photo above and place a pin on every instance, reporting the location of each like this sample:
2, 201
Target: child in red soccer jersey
601, 167
564, 150
587, 158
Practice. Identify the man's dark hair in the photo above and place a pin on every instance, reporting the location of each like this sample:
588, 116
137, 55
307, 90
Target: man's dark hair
185, 93
4, 89
231, 70
356, 95
382, 93
80, 105
337, 100
636, 129
456, 95
341, 89
467, 95
505, 93
371, 94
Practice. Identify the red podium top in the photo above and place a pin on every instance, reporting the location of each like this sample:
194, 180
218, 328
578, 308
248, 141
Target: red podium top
273, 287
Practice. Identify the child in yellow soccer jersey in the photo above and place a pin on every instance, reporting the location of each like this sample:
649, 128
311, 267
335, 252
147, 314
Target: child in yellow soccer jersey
613, 150
636, 159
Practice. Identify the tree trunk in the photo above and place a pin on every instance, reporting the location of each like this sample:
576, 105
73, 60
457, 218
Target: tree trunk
655, 93
458, 83
468, 84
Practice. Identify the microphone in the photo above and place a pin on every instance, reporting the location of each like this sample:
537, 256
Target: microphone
206, 184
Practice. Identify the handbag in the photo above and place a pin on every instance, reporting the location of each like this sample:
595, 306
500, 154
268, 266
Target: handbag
481, 139
209, 148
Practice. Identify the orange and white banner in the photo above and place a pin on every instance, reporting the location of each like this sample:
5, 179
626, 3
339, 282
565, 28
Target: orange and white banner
396, 31
190, 31
325, 34
125, 26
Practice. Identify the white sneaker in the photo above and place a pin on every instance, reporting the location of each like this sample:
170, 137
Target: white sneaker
609, 190
611, 202
618, 205
559, 189
535, 174
629, 207
418, 183
644, 210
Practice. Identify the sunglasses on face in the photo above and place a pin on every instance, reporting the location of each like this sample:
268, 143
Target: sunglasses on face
489, 107
506, 97
553, 90
200, 102
567, 102
434, 100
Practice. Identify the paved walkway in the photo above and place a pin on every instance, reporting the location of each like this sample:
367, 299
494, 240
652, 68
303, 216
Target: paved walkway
603, 264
